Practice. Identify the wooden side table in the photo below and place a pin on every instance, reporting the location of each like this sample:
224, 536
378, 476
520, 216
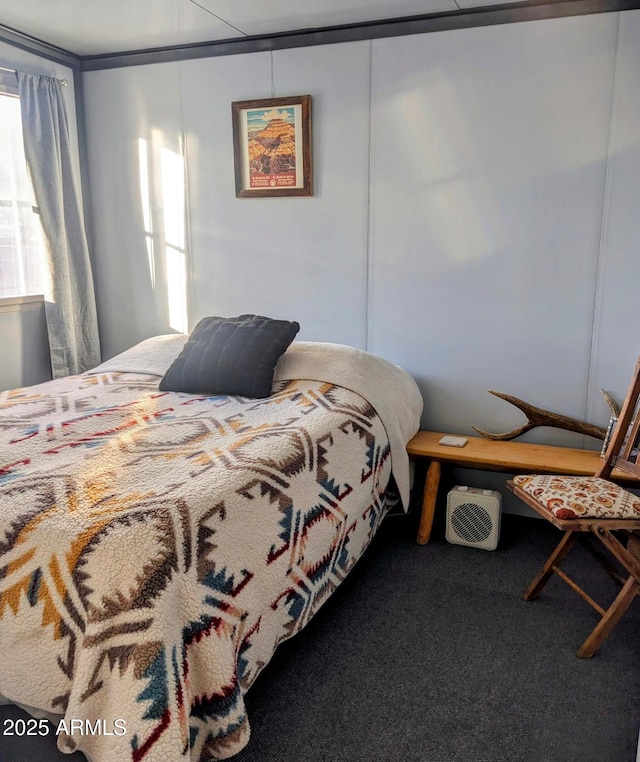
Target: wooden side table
495, 455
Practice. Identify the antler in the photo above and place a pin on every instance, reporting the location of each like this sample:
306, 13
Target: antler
537, 416
613, 405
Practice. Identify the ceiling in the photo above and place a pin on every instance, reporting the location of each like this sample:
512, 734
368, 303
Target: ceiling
94, 27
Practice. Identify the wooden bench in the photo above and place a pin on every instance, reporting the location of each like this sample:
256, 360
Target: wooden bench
495, 455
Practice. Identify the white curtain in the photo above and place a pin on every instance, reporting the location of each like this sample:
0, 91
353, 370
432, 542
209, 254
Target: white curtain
70, 308
23, 262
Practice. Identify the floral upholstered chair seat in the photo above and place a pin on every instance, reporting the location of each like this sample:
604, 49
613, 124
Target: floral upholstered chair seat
575, 497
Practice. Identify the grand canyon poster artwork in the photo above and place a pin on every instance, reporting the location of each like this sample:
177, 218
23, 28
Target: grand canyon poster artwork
272, 146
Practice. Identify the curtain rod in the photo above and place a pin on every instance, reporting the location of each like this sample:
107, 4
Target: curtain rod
63, 82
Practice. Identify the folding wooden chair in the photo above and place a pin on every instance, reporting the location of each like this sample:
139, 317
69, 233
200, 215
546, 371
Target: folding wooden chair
597, 508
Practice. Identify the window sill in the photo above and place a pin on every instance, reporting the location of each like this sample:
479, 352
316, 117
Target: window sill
17, 303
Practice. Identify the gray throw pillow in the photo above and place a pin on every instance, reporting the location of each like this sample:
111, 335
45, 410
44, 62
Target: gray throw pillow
230, 356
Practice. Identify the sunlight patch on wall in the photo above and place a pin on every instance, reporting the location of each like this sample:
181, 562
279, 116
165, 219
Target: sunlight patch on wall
173, 197
145, 200
161, 172
458, 217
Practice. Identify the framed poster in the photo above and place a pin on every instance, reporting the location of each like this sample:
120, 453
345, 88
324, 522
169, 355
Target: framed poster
272, 147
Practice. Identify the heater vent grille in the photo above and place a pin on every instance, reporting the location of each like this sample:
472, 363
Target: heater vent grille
473, 517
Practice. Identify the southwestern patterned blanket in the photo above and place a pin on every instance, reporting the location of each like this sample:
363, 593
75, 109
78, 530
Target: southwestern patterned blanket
156, 547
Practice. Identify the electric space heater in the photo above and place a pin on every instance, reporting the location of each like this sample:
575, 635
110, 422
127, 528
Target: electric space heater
473, 517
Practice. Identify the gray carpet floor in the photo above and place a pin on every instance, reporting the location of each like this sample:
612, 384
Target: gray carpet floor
429, 654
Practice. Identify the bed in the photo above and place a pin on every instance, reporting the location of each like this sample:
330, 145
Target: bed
158, 546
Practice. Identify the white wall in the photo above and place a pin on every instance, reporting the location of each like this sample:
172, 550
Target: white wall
489, 151
302, 258
616, 339
473, 215
25, 345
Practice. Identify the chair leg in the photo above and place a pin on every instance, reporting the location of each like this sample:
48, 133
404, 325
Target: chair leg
555, 559
611, 617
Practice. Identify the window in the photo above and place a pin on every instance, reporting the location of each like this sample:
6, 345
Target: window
23, 263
